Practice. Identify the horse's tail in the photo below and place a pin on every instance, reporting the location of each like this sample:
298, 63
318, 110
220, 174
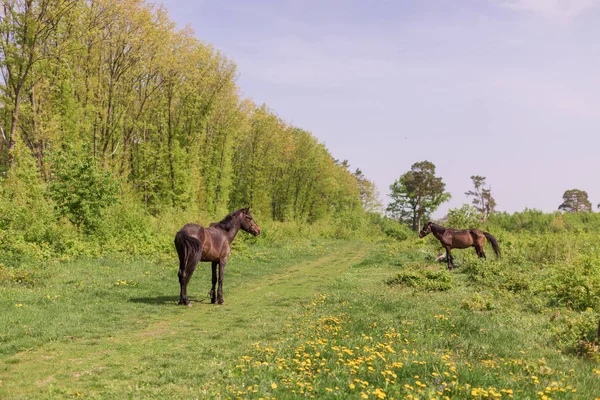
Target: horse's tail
494, 243
189, 250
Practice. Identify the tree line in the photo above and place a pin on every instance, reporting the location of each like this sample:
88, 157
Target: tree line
106, 96
105, 101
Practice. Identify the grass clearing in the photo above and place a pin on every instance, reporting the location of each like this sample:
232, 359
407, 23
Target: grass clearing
316, 320
108, 328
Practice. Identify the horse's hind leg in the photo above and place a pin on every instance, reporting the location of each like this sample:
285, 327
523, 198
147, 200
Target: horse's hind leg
182, 275
185, 274
183, 287
189, 250
449, 258
479, 248
479, 252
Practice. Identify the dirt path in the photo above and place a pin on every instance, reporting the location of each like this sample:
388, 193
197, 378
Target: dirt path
200, 337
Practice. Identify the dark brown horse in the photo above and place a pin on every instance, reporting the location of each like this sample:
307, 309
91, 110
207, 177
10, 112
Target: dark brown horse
195, 243
455, 239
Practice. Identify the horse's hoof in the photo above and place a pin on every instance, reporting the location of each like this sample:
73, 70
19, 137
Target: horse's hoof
220, 302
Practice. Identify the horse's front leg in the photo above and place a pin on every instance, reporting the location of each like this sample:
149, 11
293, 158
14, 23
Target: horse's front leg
222, 264
213, 293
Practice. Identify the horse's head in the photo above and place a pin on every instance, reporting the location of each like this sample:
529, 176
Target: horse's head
426, 230
247, 223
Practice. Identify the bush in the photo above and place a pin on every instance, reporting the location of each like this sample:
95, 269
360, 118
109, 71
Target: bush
465, 217
29, 228
16, 276
578, 333
392, 228
80, 190
477, 302
423, 280
577, 285
536, 221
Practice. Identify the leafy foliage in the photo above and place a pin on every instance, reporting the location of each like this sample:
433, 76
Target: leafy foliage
483, 201
575, 200
368, 192
477, 302
391, 227
140, 130
29, 230
80, 190
577, 285
578, 333
417, 194
465, 217
423, 280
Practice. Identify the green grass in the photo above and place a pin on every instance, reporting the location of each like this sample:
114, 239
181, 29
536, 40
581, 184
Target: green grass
334, 319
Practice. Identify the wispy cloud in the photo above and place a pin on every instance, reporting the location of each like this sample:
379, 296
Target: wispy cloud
496, 79
541, 92
298, 62
561, 9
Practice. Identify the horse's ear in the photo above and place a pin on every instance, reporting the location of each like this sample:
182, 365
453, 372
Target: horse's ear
247, 209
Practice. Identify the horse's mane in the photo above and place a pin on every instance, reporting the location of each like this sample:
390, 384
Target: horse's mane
227, 222
438, 227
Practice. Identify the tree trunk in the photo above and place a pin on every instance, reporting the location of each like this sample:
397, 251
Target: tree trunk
419, 209
13, 131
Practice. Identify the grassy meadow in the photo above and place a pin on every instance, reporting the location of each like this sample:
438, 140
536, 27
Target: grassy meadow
312, 319
118, 128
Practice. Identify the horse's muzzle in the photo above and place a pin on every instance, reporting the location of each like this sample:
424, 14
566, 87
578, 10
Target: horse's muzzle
256, 231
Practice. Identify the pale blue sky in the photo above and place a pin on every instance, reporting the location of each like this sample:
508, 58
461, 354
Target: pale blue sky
507, 89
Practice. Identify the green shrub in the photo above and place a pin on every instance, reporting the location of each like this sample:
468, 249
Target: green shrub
29, 228
465, 217
80, 190
480, 270
578, 333
16, 276
392, 228
535, 221
576, 285
516, 282
478, 302
423, 280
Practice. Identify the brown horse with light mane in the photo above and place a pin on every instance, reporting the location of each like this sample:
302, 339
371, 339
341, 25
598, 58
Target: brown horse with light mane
195, 243
455, 239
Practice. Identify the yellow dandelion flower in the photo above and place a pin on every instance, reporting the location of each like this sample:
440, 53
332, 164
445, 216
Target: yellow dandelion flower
273, 385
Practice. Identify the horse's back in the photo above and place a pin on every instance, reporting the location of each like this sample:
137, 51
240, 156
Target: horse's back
194, 230
478, 236
461, 239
